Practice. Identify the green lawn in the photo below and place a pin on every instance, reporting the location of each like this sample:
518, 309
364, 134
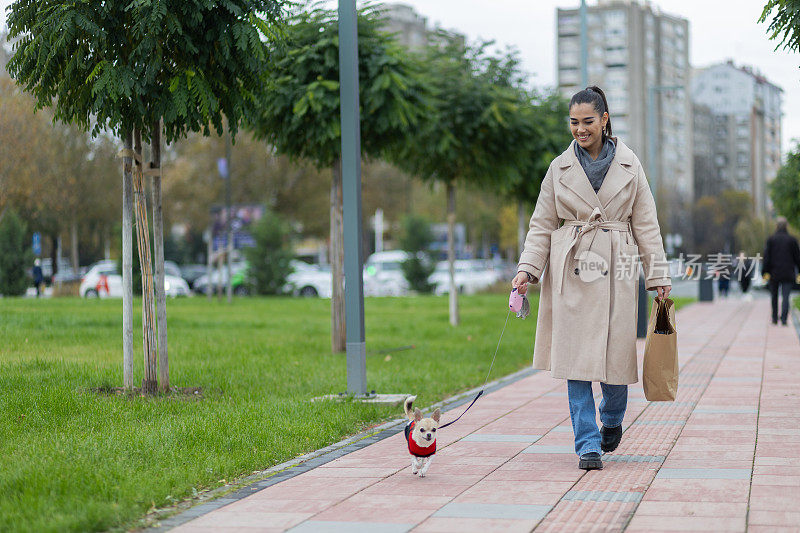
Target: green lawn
76, 460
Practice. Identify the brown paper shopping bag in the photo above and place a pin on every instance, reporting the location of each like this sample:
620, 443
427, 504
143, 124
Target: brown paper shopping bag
660, 372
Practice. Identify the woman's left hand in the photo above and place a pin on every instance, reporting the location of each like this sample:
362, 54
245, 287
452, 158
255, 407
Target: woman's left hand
663, 291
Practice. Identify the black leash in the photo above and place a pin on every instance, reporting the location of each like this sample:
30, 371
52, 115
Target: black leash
487, 375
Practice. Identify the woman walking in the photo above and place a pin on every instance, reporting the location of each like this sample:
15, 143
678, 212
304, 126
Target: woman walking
595, 214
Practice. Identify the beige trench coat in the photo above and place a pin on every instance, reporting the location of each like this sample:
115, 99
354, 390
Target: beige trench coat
583, 247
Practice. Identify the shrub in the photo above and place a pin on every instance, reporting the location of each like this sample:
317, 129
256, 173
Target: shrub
416, 239
15, 255
269, 260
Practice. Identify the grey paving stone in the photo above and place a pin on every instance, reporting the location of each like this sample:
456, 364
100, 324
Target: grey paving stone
602, 496
325, 526
486, 437
549, 449
493, 510
660, 422
704, 473
635, 458
727, 410
562, 429
738, 379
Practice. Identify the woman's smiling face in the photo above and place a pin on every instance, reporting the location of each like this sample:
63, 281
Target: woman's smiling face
587, 126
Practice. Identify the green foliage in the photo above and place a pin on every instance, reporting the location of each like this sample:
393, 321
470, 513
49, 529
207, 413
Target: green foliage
480, 123
15, 255
715, 219
123, 65
269, 259
751, 233
550, 136
784, 190
416, 239
417, 235
300, 99
785, 26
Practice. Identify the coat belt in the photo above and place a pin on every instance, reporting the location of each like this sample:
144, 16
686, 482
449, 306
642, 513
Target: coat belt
585, 227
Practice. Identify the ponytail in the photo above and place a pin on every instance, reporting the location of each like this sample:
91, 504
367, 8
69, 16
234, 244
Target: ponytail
595, 96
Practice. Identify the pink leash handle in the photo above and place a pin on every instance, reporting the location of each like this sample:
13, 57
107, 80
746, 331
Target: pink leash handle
515, 300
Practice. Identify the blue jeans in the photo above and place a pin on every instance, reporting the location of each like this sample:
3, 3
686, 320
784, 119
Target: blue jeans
584, 417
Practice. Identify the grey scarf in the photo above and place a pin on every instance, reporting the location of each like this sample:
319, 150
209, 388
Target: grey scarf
596, 169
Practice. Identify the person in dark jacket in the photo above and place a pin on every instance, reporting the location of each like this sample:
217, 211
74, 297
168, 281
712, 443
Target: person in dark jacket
743, 271
781, 262
38, 278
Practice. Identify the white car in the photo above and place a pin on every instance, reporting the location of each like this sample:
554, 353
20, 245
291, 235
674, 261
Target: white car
383, 274
309, 280
102, 281
471, 276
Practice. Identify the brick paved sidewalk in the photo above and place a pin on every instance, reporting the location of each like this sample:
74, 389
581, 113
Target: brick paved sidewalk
725, 456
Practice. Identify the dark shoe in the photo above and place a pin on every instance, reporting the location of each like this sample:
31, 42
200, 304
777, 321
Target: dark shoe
783, 323
590, 461
609, 438
775, 321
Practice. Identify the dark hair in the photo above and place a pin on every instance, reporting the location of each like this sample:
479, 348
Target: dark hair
594, 95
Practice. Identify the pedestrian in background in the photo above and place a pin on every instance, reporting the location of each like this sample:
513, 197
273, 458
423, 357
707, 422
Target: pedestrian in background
781, 263
724, 279
742, 268
586, 323
38, 277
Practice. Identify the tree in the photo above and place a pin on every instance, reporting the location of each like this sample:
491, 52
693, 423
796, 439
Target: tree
300, 113
15, 255
550, 136
785, 25
416, 240
476, 130
270, 258
751, 233
139, 69
784, 190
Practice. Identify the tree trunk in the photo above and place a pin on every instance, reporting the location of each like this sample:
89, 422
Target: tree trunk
106, 243
54, 253
210, 263
228, 216
522, 226
73, 244
150, 381
127, 264
451, 252
158, 248
338, 329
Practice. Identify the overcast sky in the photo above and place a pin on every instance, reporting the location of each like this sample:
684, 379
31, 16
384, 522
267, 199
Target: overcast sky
720, 30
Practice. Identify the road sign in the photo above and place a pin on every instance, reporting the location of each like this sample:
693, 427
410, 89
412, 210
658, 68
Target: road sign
37, 243
222, 168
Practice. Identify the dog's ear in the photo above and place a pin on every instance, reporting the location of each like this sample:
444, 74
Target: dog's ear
417, 414
437, 414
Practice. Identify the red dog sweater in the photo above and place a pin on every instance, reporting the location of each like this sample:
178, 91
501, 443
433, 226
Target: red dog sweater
413, 448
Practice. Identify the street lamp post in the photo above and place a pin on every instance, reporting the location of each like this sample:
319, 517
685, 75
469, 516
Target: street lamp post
351, 183
653, 164
584, 46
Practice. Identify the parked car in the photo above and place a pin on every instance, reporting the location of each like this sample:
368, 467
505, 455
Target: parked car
103, 281
220, 277
383, 274
309, 280
192, 272
471, 276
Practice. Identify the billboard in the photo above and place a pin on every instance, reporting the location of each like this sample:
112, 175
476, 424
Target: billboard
243, 216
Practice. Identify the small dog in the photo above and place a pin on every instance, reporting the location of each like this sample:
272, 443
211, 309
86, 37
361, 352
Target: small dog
421, 436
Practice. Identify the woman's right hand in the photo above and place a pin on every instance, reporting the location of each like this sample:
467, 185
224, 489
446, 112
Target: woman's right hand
520, 282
